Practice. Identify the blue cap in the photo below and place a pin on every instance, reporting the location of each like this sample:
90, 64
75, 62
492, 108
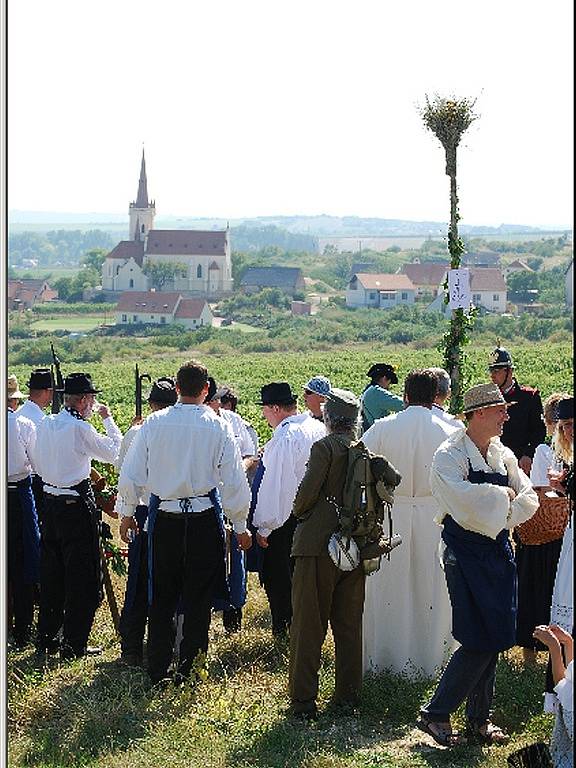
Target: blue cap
320, 385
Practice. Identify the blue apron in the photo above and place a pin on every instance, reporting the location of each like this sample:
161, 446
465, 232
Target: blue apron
134, 554
255, 555
223, 589
30, 532
481, 577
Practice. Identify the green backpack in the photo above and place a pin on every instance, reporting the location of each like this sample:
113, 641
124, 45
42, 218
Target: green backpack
367, 499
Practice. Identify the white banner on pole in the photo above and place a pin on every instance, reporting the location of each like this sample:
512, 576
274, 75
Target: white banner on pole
459, 288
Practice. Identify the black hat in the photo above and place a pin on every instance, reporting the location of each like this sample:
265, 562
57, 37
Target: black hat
163, 391
79, 384
500, 358
378, 370
277, 393
212, 389
565, 408
40, 378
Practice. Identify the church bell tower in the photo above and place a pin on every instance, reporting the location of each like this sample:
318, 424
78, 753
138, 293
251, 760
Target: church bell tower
142, 211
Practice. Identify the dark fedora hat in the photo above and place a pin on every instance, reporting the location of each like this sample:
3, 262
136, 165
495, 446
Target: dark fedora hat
277, 393
79, 384
40, 378
500, 358
163, 391
565, 409
378, 370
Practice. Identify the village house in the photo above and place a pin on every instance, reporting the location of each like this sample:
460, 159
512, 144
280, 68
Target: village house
481, 259
487, 288
163, 308
382, 291
204, 256
26, 292
516, 266
427, 277
287, 279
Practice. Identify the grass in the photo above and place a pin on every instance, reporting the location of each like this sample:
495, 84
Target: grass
71, 322
96, 713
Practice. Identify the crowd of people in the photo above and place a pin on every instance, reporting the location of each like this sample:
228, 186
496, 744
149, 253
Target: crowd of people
200, 504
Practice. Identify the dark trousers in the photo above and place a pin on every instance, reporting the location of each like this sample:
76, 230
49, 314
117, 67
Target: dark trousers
69, 573
135, 611
277, 567
188, 567
20, 590
469, 676
322, 593
38, 491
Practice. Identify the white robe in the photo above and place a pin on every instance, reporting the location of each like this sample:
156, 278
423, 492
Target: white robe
407, 614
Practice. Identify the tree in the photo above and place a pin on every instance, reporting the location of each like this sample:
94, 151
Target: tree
94, 258
448, 119
162, 272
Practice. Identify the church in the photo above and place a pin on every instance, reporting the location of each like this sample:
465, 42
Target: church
203, 255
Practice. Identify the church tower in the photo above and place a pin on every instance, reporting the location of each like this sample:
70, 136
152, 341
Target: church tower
142, 211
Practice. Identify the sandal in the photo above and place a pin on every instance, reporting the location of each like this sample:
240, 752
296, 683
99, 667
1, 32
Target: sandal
486, 733
442, 733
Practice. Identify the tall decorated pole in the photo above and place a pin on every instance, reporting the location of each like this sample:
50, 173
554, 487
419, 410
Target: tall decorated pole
448, 119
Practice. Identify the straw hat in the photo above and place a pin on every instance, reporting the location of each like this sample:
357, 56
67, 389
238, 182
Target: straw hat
13, 389
483, 396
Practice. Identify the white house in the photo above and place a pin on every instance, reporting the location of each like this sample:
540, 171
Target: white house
488, 289
162, 308
427, 277
205, 255
516, 266
382, 291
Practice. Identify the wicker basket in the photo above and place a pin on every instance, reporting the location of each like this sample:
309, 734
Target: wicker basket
548, 522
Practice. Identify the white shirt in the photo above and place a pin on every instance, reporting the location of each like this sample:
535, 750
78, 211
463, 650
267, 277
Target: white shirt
483, 508
32, 411
408, 440
241, 435
127, 440
65, 447
438, 411
544, 459
284, 459
21, 436
184, 452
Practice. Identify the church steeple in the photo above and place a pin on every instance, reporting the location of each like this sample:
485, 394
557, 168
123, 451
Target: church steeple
143, 210
142, 197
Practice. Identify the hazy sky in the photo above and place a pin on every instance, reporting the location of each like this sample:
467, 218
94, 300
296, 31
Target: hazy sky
268, 107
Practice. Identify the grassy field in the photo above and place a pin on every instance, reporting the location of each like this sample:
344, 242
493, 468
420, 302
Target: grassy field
97, 713
70, 322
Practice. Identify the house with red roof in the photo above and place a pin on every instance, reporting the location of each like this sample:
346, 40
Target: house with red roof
381, 291
163, 308
25, 292
205, 256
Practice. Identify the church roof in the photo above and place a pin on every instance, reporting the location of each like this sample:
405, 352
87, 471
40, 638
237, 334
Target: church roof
189, 309
183, 241
128, 249
150, 302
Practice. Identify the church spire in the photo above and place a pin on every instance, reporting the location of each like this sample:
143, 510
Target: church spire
142, 198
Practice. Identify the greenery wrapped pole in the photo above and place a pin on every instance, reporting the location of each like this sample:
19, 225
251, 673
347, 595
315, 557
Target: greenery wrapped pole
448, 119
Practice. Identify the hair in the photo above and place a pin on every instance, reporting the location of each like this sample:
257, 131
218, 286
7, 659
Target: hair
73, 400
443, 382
340, 424
420, 387
191, 378
231, 398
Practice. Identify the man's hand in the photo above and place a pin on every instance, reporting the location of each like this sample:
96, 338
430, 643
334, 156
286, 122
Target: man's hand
244, 540
262, 540
511, 493
127, 524
546, 637
104, 412
525, 464
563, 637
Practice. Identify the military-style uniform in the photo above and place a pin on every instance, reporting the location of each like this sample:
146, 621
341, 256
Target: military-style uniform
525, 429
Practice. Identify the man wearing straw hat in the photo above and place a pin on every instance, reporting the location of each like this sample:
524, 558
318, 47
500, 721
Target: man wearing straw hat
482, 493
22, 521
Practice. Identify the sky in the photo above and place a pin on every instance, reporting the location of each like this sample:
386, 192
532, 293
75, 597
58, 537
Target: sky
307, 107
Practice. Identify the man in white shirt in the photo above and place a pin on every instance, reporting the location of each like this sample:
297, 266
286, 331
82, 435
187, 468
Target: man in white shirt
70, 575
443, 392
482, 494
134, 532
186, 458
34, 408
22, 523
282, 468
409, 592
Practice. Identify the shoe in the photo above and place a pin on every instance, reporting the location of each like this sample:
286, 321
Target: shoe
68, 653
442, 733
47, 647
486, 733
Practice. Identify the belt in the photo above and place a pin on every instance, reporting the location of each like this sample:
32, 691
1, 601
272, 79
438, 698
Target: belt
56, 490
182, 515
190, 504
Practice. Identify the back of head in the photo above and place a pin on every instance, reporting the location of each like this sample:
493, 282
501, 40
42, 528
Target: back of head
341, 411
442, 381
420, 387
191, 378
163, 393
